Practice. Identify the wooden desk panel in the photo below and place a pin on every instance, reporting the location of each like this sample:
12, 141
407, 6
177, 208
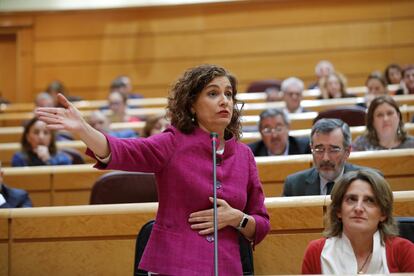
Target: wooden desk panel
30, 181
4, 241
71, 197
391, 163
74, 257
273, 169
90, 235
4, 224
4, 258
287, 258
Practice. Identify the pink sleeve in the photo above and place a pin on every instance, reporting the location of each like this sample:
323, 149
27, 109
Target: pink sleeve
139, 154
255, 202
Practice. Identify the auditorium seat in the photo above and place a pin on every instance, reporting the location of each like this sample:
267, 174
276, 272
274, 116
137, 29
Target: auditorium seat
246, 252
75, 155
353, 116
406, 227
262, 85
124, 187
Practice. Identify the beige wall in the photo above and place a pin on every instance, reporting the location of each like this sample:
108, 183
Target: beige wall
254, 39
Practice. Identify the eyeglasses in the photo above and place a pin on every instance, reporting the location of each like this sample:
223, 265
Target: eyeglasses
330, 150
293, 94
269, 131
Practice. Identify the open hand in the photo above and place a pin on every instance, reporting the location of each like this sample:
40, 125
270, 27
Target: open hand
204, 220
67, 117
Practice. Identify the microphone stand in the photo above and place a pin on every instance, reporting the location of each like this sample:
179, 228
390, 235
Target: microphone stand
214, 138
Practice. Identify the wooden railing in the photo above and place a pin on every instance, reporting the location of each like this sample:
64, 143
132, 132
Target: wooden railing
79, 240
71, 185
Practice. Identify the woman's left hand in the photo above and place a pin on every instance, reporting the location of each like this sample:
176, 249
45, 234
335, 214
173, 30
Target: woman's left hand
227, 216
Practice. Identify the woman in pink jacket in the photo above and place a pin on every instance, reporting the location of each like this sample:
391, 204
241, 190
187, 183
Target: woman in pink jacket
181, 243
361, 237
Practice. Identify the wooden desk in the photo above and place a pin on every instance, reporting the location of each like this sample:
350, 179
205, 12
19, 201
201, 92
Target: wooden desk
249, 137
273, 170
14, 133
4, 241
54, 185
310, 94
79, 240
8, 149
17, 119
319, 105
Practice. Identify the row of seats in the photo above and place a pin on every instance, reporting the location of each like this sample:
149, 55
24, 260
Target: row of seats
15, 119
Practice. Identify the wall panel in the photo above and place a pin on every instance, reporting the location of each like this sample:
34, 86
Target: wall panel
254, 39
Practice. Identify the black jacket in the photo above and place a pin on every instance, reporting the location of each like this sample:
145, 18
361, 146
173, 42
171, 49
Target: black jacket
297, 145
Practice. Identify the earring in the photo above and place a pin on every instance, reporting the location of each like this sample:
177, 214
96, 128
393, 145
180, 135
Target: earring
193, 117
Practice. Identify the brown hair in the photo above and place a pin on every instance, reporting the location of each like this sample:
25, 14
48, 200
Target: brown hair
377, 76
324, 81
150, 123
185, 91
26, 147
383, 196
388, 69
371, 133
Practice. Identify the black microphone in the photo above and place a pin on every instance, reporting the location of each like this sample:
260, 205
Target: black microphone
214, 140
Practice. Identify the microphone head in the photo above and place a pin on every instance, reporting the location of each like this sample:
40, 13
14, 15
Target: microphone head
213, 135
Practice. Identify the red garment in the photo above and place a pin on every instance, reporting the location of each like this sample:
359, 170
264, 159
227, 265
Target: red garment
399, 251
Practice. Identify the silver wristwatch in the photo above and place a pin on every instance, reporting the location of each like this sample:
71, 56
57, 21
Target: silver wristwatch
243, 222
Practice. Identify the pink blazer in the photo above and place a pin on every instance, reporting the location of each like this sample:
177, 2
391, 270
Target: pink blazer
183, 168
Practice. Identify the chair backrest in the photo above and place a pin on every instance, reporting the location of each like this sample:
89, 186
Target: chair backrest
262, 85
75, 155
353, 116
246, 252
406, 227
124, 187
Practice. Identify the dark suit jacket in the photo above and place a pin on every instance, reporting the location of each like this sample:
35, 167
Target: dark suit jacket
307, 182
297, 145
15, 198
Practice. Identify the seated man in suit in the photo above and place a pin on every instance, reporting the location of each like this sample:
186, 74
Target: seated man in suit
274, 129
12, 198
331, 146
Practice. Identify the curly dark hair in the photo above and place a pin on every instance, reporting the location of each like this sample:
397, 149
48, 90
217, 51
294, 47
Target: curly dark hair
26, 147
185, 92
371, 133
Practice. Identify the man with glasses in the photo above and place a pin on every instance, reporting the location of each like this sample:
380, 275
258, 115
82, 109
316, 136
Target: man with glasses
274, 129
330, 146
11, 197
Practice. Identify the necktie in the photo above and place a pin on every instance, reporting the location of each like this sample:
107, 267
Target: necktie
329, 186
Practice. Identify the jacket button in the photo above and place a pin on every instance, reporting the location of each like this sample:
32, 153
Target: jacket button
218, 184
210, 238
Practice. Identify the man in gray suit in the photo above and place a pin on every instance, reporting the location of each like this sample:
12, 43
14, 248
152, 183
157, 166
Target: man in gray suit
330, 145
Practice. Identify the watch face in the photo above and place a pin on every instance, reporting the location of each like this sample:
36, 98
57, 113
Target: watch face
244, 223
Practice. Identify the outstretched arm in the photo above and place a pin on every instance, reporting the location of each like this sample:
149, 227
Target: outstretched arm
70, 119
